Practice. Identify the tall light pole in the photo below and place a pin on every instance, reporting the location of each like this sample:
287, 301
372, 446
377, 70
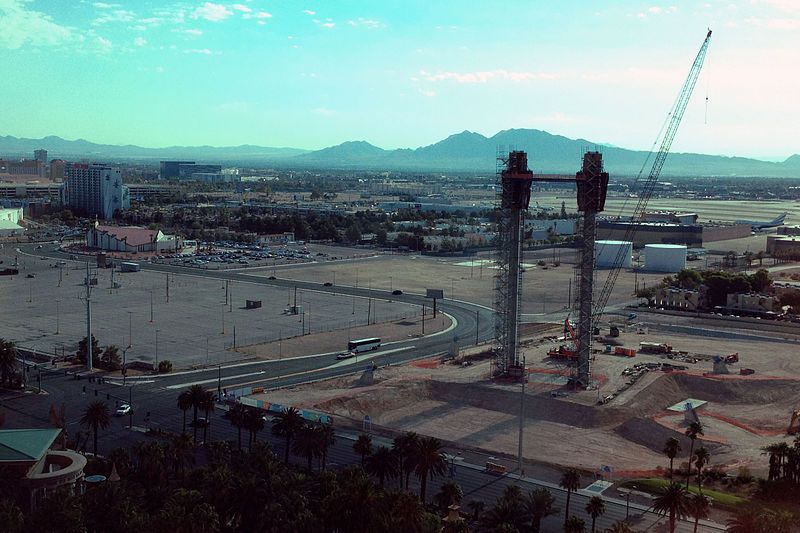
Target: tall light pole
89, 347
157, 350
58, 317
521, 417
130, 329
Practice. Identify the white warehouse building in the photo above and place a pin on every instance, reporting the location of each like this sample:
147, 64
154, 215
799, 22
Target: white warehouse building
606, 254
664, 257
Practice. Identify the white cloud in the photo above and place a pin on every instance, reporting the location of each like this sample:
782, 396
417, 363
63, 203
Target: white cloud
140, 41
103, 44
103, 5
194, 32
22, 26
258, 15
309, 12
211, 11
789, 6
201, 51
327, 23
486, 76
774, 23
242, 8
117, 15
323, 111
367, 23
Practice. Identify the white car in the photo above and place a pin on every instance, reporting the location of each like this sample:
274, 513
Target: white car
345, 355
123, 410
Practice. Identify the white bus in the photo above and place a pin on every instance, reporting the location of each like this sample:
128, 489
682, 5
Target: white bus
364, 345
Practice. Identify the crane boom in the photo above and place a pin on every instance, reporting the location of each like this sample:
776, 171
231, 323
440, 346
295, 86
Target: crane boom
678, 108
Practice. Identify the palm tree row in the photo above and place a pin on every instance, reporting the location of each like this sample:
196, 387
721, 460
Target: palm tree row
198, 399
410, 454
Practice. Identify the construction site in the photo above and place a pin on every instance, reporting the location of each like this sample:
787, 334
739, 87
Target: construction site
596, 390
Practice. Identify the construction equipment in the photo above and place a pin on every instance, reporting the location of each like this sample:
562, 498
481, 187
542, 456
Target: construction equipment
648, 185
655, 347
566, 351
794, 424
625, 352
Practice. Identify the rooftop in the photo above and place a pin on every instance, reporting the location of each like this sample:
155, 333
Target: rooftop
133, 235
23, 445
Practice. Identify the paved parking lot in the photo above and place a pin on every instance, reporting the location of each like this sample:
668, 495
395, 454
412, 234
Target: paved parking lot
195, 327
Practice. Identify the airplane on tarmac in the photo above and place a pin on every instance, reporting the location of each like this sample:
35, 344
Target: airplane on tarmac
757, 225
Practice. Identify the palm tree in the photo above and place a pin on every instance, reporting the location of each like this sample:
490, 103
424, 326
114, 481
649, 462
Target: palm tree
327, 438
570, 481
307, 443
748, 519
405, 447
429, 462
96, 417
253, 422
8, 361
382, 464
694, 430
195, 394
206, 403
237, 416
363, 447
595, 508
539, 504
671, 449
672, 501
574, 525
620, 526
476, 508
184, 404
449, 493
286, 425
701, 459
181, 453
698, 507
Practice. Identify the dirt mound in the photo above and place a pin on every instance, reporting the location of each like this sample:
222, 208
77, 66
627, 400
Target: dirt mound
538, 407
675, 387
653, 435
375, 400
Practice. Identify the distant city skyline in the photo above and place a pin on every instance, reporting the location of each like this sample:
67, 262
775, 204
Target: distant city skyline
399, 74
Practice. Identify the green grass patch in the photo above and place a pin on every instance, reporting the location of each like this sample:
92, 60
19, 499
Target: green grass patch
655, 485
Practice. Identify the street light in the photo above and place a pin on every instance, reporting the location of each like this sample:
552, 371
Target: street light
124, 362
58, 317
157, 330
130, 329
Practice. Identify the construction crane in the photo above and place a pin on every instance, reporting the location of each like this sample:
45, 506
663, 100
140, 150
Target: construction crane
676, 114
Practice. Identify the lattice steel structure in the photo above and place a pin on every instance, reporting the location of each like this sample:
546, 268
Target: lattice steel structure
514, 194
592, 185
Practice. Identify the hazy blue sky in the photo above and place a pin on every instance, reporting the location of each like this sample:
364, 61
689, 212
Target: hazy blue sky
399, 74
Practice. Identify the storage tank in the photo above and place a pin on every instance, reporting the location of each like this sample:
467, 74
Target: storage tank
664, 257
607, 252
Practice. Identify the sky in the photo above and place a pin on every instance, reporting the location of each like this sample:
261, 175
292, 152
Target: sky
400, 74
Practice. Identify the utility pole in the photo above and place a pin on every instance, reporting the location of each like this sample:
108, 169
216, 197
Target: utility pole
58, 317
130, 329
89, 347
477, 325
521, 417
369, 310
151, 307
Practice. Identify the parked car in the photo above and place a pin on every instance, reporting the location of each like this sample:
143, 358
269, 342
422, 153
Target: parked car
201, 422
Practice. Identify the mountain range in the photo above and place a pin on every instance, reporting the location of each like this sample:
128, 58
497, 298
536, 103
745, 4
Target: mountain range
462, 152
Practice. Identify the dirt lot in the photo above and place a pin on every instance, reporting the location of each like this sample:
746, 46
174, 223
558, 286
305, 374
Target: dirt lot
545, 289
333, 341
462, 404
